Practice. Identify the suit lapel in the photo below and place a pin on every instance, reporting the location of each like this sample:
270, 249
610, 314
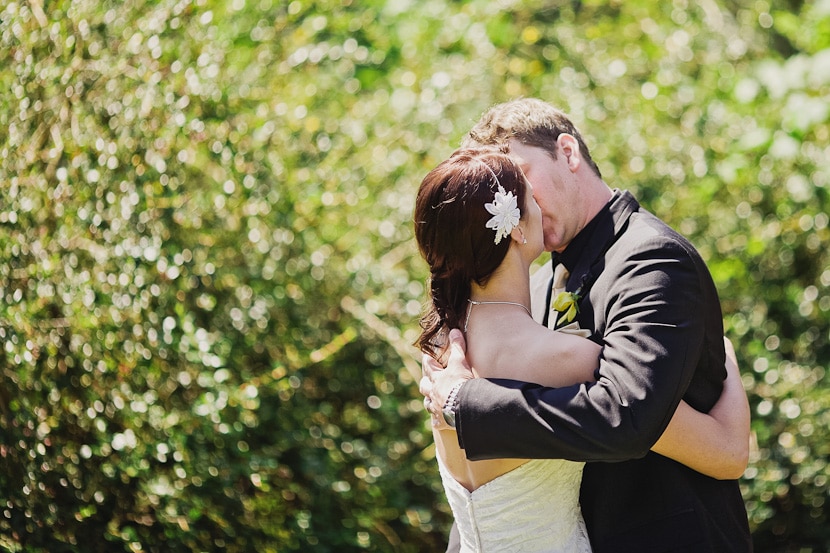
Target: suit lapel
585, 255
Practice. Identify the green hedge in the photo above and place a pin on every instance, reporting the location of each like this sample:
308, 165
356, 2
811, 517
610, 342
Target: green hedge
209, 283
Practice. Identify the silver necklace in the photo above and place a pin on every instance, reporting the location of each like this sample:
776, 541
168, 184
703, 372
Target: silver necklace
473, 302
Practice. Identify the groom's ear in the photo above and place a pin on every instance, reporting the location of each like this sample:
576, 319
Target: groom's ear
569, 148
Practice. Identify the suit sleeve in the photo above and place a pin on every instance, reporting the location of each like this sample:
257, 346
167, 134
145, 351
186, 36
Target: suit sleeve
653, 305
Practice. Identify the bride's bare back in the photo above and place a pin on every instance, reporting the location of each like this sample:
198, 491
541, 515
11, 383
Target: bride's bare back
504, 342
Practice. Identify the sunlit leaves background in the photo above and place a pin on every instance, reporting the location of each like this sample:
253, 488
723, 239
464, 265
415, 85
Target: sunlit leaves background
209, 284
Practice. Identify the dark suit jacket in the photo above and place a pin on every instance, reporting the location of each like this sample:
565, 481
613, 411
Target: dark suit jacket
650, 301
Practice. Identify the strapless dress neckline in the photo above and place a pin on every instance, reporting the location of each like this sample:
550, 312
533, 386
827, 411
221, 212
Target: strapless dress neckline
534, 508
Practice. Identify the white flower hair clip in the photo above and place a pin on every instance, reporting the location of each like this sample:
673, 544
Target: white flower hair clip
504, 210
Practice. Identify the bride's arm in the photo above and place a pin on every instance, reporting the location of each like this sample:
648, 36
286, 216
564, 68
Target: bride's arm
715, 444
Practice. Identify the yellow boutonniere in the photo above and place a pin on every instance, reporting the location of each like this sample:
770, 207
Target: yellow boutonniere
566, 303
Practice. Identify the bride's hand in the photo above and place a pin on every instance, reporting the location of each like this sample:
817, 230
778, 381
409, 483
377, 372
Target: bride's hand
438, 381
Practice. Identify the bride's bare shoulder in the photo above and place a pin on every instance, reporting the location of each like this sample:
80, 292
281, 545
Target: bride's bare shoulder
533, 353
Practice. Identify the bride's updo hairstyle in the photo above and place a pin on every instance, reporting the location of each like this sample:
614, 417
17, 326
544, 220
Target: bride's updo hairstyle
452, 234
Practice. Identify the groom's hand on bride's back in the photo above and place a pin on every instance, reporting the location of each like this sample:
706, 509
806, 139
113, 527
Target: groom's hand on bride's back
439, 380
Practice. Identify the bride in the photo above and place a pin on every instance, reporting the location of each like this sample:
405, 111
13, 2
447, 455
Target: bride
480, 244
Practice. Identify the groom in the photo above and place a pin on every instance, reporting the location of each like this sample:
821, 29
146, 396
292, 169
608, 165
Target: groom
647, 297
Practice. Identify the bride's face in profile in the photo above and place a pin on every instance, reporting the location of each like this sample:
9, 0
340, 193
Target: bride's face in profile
532, 223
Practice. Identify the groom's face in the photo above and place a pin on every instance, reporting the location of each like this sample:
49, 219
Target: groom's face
555, 190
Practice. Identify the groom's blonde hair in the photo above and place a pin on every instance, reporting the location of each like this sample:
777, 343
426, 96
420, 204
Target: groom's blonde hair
532, 122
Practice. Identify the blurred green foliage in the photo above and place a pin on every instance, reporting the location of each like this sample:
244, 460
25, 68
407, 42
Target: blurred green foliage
209, 284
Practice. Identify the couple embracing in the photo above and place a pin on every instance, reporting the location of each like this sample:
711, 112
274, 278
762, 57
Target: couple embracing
594, 407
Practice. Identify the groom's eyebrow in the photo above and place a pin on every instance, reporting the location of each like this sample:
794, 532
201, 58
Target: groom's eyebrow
521, 162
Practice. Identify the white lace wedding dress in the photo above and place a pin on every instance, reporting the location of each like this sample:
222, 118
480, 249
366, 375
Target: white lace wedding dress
533, 508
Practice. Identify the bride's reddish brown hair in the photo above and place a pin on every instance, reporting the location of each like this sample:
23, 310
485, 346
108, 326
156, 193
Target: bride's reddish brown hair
452, 234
